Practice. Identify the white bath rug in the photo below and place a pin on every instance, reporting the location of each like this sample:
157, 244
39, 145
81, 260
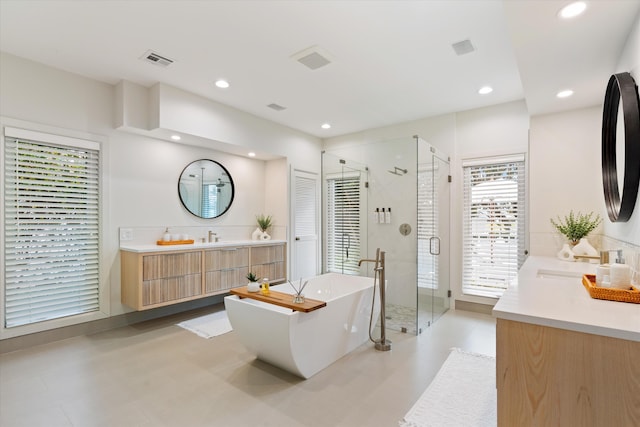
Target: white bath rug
463, 394
208, 326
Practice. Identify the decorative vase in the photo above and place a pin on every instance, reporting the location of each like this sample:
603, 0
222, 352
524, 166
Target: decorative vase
253, 287
565, 253
256, 235
584, 248
265, 236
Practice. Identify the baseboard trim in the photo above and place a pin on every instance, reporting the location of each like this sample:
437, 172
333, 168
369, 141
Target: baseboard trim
88, 328
475, 307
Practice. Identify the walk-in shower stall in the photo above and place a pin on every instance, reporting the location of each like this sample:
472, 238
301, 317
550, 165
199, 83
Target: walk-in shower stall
392, 195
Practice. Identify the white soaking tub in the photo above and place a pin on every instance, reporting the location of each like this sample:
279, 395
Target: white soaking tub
305, 343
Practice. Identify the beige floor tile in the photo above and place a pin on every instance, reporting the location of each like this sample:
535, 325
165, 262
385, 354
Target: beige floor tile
157, 374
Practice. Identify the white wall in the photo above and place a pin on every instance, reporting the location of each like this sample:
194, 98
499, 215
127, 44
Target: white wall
140, 172
565, 173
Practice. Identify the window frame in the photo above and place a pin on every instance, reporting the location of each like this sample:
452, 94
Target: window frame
55, 135
488, 161
328, 266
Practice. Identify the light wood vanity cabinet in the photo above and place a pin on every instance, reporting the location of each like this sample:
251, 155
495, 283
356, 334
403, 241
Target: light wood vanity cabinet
268, 261
154, 280
157, 278
225, 269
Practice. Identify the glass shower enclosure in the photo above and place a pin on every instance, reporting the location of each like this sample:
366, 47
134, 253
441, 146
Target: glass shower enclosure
408, 180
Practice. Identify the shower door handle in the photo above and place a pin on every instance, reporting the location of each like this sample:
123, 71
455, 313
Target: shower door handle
435, 240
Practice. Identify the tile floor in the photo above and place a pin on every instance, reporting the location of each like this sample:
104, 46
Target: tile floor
158, 374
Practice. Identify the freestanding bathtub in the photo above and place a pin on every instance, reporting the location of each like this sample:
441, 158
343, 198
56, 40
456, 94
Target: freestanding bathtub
305, 343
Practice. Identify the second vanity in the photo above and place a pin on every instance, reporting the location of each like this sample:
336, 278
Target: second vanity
562, 357
155, 276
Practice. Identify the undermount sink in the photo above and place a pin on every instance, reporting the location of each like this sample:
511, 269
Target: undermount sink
558, 274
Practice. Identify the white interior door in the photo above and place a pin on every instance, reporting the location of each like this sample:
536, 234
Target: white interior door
304, 254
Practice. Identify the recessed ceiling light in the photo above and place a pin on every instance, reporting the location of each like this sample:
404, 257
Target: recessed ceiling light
564, 93
222, 84
326, 126
572, 9
175, 137
251, 154
485, 90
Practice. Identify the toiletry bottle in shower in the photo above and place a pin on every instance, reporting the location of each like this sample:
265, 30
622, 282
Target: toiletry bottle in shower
376, 216
387, 216
381, 220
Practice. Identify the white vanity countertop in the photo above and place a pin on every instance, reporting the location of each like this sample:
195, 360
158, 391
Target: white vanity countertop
549, 292
197, 245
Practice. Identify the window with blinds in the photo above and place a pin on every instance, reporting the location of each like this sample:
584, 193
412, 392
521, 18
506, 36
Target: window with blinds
51, 211
343, 224
493, 224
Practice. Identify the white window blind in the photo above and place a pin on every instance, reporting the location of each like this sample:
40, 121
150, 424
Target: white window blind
493, 225
343, 224
51, 227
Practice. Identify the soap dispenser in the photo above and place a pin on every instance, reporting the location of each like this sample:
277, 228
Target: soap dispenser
620, 273
166, 236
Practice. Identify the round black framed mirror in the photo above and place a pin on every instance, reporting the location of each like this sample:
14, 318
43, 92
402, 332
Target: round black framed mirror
206, 188
621, 90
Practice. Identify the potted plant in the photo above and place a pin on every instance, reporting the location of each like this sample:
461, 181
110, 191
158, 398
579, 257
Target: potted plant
264, 222
253, 285
576, 227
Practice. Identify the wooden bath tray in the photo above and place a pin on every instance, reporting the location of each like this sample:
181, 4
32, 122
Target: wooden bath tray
623, 295
174, 242
279, 298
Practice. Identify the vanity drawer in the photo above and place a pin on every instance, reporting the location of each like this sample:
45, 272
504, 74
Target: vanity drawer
267, 254
171, 289
171, 265
226, 258
221, 280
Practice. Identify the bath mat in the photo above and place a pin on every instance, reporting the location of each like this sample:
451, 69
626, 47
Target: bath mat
208, 326
463, 393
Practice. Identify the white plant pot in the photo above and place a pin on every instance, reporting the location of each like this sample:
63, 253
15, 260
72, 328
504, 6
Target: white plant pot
253, 287
256, 235
565, 253
584, 248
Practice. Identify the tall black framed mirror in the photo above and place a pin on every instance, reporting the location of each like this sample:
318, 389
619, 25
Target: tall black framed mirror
621, 146
206, 188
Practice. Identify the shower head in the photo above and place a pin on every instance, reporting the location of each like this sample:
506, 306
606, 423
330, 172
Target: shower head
396, 171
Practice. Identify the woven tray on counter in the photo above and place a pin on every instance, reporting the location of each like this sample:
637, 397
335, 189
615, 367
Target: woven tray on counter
174, 242
623, 295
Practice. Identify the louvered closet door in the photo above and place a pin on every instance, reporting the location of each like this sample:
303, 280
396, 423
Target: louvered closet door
305, 225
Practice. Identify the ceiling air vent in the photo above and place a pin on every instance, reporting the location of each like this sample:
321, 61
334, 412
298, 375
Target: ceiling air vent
157, 59
463, 47
312, 58
276, 107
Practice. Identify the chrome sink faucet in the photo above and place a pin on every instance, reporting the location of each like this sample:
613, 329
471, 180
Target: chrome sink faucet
213, 237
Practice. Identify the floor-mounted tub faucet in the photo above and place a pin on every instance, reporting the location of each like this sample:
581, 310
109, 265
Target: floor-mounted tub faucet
383, 344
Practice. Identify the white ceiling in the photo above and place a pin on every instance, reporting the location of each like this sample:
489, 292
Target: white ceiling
392, 61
